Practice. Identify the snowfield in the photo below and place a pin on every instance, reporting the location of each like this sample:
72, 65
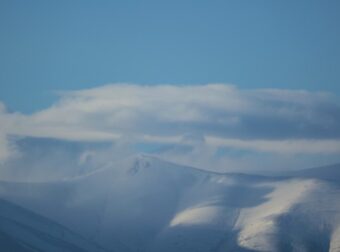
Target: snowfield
145, 204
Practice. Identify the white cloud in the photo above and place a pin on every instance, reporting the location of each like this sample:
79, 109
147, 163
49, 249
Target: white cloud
263, 120
280, 146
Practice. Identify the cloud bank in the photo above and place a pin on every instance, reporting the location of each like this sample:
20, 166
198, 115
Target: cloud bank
218, 115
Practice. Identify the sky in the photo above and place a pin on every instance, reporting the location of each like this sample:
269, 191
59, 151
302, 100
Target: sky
215, 84
47, 46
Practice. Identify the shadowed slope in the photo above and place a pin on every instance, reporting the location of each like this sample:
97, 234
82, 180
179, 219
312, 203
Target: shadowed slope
23, 230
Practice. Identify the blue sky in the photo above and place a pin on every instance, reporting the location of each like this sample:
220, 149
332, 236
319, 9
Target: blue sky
63, 45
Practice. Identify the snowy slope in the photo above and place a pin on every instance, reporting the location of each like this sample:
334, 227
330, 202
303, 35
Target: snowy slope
145, 204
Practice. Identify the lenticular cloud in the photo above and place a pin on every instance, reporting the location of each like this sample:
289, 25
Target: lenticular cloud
261, 119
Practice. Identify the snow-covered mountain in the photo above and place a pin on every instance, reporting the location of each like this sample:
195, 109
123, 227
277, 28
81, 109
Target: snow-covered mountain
146, 204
